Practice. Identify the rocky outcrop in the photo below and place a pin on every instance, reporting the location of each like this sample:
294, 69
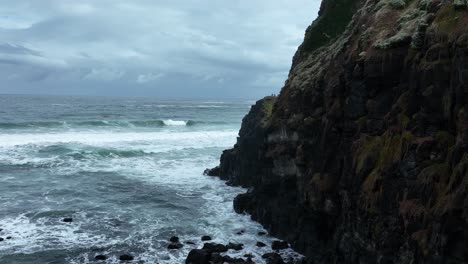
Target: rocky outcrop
240, 162
363, 158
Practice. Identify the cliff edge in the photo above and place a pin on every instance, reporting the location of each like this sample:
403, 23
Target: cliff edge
362, 158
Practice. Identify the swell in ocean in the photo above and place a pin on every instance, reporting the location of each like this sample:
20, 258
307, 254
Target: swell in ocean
127, 171
105, 123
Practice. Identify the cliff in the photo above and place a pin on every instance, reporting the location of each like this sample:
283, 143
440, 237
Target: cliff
362, 158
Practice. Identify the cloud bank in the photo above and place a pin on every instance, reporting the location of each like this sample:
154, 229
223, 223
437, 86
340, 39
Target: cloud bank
166, 48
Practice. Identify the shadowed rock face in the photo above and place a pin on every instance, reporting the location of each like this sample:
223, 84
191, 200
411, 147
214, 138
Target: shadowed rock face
363, 157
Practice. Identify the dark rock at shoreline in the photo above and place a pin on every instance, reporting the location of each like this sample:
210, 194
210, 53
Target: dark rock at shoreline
205, 256
278, 245
213, 247
198, 256
175, 246
67, 220
126, 257
235, 246
205, 238
1, 239
240, 232
100, 257
273, 258
174, 239
260, 244
8, 237
212, 172
231, 260
261, 233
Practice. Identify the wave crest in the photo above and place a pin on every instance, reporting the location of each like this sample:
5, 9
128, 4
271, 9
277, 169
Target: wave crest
102, 123
170, 122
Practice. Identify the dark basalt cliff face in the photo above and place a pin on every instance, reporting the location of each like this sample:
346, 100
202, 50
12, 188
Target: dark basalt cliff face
362, 158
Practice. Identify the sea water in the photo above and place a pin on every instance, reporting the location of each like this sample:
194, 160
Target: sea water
129, 171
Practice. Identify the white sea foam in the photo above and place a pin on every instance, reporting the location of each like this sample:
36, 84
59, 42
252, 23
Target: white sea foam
104, 138
171, 122
33, 235
127, 190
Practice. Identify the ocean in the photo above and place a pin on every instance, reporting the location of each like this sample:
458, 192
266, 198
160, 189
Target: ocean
128, 171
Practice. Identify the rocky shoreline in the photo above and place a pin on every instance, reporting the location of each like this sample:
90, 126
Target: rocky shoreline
209, 253
363, 157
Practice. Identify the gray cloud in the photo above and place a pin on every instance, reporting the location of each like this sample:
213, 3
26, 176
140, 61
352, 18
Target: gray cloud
197, 48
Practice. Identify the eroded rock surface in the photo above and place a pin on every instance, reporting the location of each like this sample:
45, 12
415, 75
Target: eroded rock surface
363, 158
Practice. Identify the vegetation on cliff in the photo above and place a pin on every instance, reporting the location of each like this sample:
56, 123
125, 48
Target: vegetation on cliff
364, 155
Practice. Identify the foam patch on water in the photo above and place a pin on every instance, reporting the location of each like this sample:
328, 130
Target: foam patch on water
100, 138
31, 235
171, 122
127, 192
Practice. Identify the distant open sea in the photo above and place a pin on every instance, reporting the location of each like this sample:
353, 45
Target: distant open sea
127, 170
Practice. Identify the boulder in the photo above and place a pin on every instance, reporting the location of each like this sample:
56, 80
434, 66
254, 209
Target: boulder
235, 246
273, 258
175, 246
205, 238
213, 247
174, 239
278, 245
260, 244
198, 256
100, 257
126, 257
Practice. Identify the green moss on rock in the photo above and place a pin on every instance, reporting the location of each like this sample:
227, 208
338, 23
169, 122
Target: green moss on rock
447, 19
397, 4
460, 4
268, 107
398, 40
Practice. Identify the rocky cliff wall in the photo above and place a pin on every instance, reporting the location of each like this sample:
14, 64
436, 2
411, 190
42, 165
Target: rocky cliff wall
363, 158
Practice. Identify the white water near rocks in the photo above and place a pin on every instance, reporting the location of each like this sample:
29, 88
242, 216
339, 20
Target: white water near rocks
127, 170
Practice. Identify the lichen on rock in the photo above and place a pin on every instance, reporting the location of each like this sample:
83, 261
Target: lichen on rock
362, 158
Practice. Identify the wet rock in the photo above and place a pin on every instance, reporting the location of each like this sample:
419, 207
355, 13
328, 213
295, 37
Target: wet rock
8, 237
100, 257
273, 258
1, 230
212, 172
235, 246
205, 238
231, 260
278, 245
249, 255
241, 232
175, 246
1, 239
174, 239
126, 257
216, 258
198, 256
260, 244
213, 247
189, 242
67, 220
262, 233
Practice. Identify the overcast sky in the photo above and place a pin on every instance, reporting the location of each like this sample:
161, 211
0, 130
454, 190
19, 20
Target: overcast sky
165, 48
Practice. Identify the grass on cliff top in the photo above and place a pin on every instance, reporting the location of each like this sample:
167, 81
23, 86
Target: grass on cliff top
268, 105
336, 16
